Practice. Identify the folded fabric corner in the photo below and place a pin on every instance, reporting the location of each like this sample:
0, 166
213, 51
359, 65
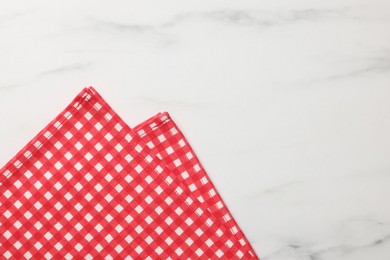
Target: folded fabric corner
163, 136
88, 186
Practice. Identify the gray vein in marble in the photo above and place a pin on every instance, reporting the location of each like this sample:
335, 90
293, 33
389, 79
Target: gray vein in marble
277, 188
374, 66
383, 66
55, 71
366, 219
9, 87
162, 102
66, 68
237, 17
302, 250
10, 17
346, 248
266, 19
122, 27
107, 26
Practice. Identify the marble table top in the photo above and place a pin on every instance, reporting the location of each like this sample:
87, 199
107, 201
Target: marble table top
287, 103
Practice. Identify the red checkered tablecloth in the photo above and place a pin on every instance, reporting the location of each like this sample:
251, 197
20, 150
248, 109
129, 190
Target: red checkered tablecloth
88, 187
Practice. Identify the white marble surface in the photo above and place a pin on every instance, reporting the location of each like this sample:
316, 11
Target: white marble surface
287, 103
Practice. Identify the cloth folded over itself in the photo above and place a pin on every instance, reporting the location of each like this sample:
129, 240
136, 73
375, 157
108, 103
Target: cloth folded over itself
88, 186
165, 139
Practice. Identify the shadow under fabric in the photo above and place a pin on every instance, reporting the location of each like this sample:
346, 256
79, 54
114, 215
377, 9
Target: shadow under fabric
88, 187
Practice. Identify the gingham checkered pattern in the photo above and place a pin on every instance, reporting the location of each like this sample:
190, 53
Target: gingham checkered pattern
165, 139
87, 187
